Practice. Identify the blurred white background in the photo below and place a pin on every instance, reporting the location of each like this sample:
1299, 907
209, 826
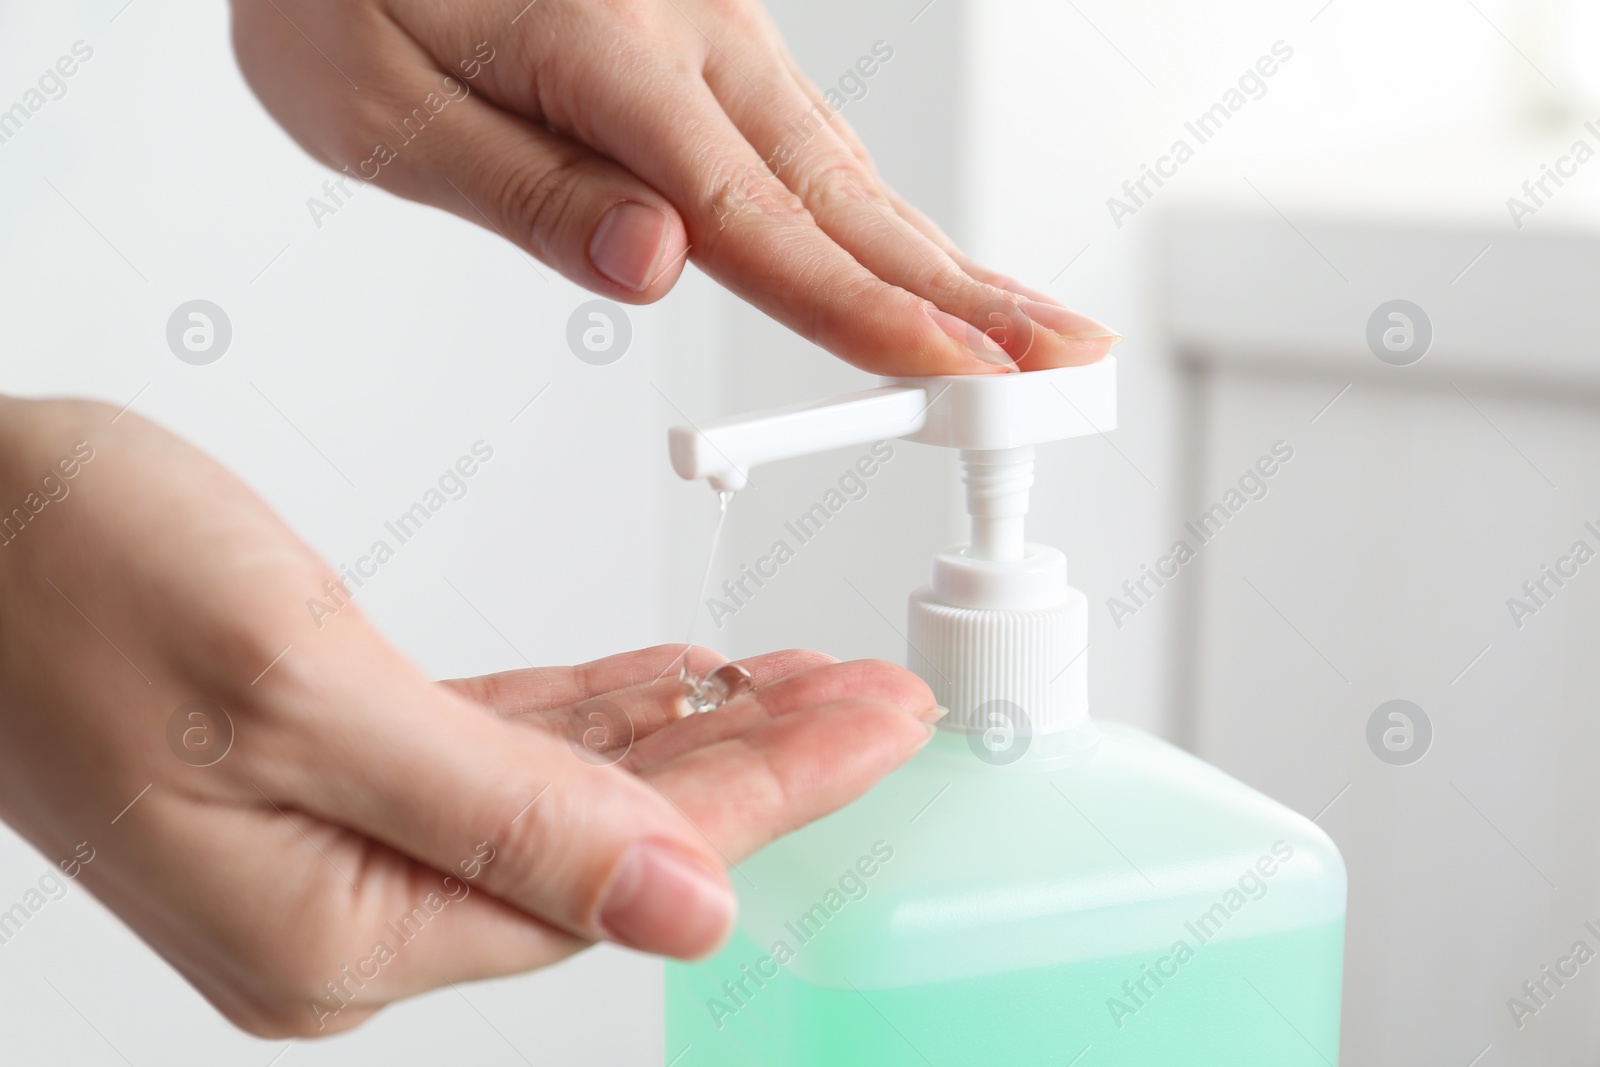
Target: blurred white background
369, 352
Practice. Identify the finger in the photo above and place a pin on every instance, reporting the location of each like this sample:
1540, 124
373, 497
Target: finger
535, 689
755, 236
655, 116
429, 135
749, 231
589, 849
607, 721
629, 726
797, 692
793, 135
833, 174
582, 214
1079, 338
748, 790
1082, 339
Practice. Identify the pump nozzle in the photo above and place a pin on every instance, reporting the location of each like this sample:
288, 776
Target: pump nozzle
723, 452
976, 412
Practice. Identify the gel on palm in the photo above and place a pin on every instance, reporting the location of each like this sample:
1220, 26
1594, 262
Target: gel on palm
1033, 887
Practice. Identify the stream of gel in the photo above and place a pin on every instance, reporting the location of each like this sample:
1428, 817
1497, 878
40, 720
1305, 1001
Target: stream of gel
700, 694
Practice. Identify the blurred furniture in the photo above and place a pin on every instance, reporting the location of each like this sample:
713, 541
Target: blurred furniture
1379, 566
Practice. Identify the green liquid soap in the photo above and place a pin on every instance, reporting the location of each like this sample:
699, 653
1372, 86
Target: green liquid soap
1105, 900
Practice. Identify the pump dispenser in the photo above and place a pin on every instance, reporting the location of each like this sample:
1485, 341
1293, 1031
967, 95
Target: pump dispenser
1033, 886
998, 630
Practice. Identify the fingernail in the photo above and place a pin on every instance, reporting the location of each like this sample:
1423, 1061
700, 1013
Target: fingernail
1012, 285
933, 714
975, 340
1068, 324
662, 901
627, 245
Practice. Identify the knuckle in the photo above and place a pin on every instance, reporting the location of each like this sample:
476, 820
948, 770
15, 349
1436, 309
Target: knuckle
837, 183
542, 202
841, 188
748, 193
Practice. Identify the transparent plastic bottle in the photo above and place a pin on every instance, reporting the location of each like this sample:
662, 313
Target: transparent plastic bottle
1060, 893
1098, 899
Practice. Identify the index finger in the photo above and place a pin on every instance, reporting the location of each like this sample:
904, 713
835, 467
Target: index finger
753, 235
555, 689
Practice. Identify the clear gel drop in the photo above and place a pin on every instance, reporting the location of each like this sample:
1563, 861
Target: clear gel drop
711, 691
715, 689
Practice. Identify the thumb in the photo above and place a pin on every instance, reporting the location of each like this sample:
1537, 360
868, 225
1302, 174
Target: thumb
591, 849
431, 136
568, 206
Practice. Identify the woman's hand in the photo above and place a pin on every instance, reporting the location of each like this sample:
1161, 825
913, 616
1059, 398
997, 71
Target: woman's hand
304, 825
612, 139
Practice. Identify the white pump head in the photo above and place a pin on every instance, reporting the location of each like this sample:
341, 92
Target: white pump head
998, 633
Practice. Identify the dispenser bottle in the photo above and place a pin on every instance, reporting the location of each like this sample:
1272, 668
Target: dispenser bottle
1034, 887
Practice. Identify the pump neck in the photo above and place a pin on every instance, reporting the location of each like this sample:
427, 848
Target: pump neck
998, 480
